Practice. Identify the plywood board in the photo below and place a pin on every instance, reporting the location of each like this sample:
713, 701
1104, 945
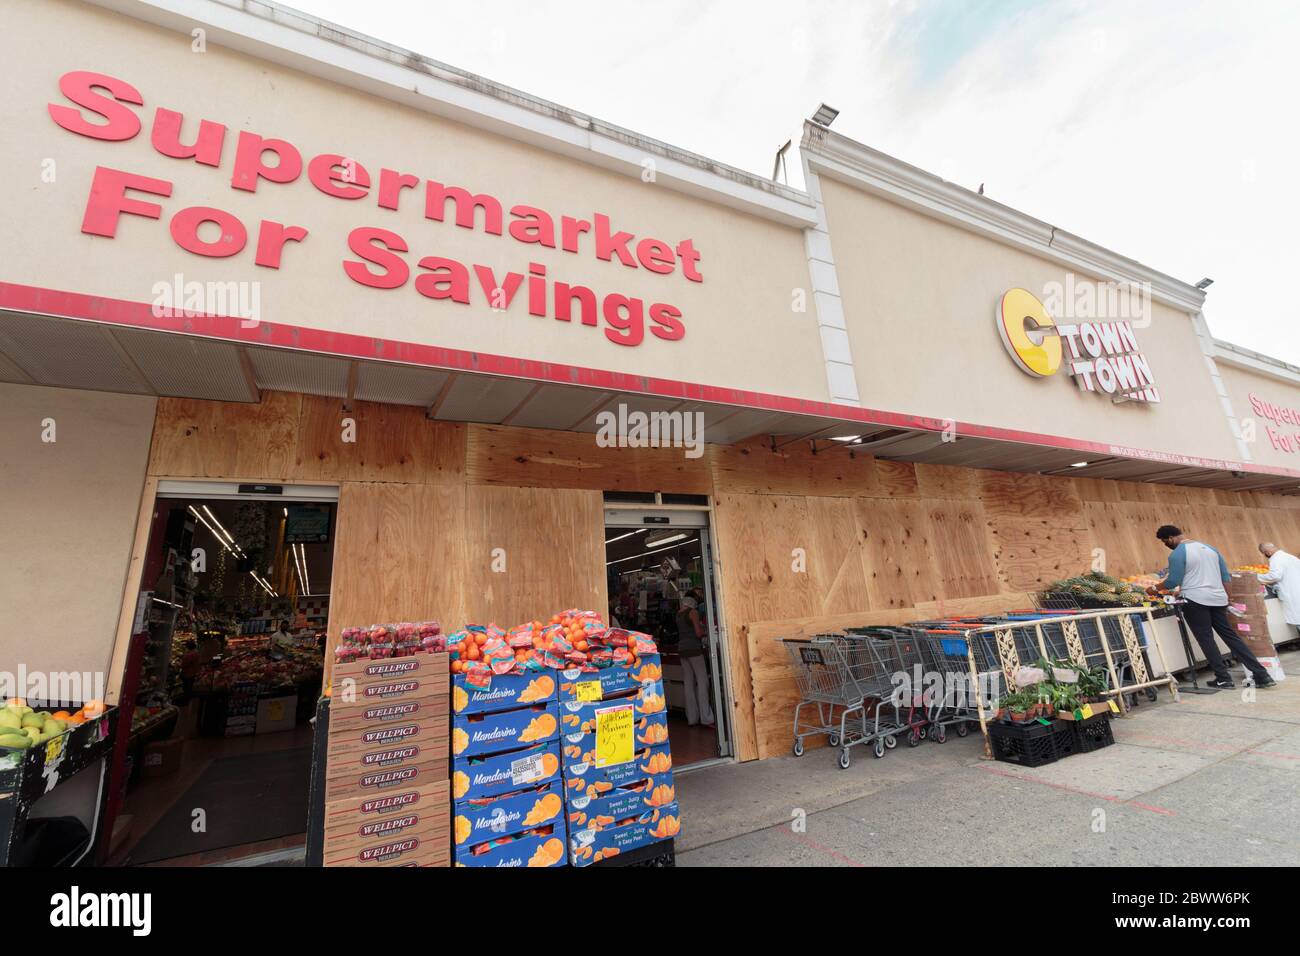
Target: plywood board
1027, 496
198, 439
531, 552
399, 555
536, 457
374, 442
898, 559
964, 554
290, 437
1033, 552
794, 469
946, 481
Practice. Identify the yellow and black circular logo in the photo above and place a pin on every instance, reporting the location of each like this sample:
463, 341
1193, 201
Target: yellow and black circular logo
1029, 333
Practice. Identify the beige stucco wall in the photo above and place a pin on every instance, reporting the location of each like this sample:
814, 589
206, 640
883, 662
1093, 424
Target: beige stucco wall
750, 266
68, 511
1240, 384
920, 297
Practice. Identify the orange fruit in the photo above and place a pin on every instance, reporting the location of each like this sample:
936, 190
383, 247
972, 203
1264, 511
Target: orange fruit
93, 708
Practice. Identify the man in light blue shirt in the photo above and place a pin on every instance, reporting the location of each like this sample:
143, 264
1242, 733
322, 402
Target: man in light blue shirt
1200, 575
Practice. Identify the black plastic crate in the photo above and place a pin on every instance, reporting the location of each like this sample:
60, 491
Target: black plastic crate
1092, 733
1033, 744
660, 853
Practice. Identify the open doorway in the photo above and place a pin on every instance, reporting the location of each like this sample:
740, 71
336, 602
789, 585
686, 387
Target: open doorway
659, 568
225, 670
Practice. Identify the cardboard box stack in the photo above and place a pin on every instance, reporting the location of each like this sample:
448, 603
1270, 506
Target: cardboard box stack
1249, 617
618, 780
387, 795
509, 805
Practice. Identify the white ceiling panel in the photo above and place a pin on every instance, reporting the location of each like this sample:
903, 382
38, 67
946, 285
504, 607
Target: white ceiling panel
68, 354
9, 372
477, 398
399, 384
286, 371
557, 406
185, 366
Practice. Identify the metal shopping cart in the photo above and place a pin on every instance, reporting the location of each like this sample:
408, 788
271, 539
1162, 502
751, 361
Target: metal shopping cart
952, 692
901, 654
842, 676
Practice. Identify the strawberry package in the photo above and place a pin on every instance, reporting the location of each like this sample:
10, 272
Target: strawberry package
381, 641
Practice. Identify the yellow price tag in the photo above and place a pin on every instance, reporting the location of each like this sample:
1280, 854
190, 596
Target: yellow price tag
614, 735
1114, 708
276, 710
1087, 711
53, 749
587, 691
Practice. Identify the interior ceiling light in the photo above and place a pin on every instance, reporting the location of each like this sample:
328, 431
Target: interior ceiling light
656, 540
638, 557
622, 536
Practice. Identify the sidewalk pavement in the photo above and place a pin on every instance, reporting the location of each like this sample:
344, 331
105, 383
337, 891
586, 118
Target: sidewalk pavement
1211, 780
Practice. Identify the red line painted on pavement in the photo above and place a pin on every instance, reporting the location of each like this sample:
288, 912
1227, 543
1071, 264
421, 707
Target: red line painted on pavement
1082, 793
1198, 745
818, 847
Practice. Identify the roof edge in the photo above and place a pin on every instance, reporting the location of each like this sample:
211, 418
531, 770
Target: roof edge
859, 165
299, 41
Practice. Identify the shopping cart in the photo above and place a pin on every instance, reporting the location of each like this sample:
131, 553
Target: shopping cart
900, 651
952, 692
842, 676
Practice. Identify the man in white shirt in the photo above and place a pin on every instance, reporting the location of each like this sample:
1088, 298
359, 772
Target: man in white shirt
1284, 575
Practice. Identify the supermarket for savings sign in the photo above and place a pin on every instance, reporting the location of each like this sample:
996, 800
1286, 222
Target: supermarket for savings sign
1101, 357
111, 110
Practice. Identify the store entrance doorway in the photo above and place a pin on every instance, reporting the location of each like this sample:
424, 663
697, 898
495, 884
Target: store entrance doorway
224, 672
659, 567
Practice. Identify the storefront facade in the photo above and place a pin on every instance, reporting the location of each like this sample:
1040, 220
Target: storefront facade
444, 284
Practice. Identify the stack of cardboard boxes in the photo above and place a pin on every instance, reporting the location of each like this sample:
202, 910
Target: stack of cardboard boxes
509, 803
1249, 617
618, 778
386, 788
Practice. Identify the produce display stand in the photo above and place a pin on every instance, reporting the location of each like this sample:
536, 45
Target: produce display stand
28, 775
1118, 690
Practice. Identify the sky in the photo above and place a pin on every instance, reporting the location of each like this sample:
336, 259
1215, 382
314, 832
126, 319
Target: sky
1164, 130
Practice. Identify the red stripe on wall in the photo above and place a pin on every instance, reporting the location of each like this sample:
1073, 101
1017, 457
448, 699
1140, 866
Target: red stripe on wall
75, 305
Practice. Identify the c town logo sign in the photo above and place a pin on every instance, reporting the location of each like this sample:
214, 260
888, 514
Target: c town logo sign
1102, 356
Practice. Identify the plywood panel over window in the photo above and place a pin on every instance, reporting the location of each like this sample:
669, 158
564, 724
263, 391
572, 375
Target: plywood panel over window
529, 552
292, 437
399, 555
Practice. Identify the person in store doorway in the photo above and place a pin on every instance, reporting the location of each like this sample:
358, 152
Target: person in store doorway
1200, 576
1284, 575
690, 645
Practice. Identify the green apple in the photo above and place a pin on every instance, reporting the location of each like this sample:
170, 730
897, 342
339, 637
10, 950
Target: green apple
32, 720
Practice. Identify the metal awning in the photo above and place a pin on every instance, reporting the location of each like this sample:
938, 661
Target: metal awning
85, 354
